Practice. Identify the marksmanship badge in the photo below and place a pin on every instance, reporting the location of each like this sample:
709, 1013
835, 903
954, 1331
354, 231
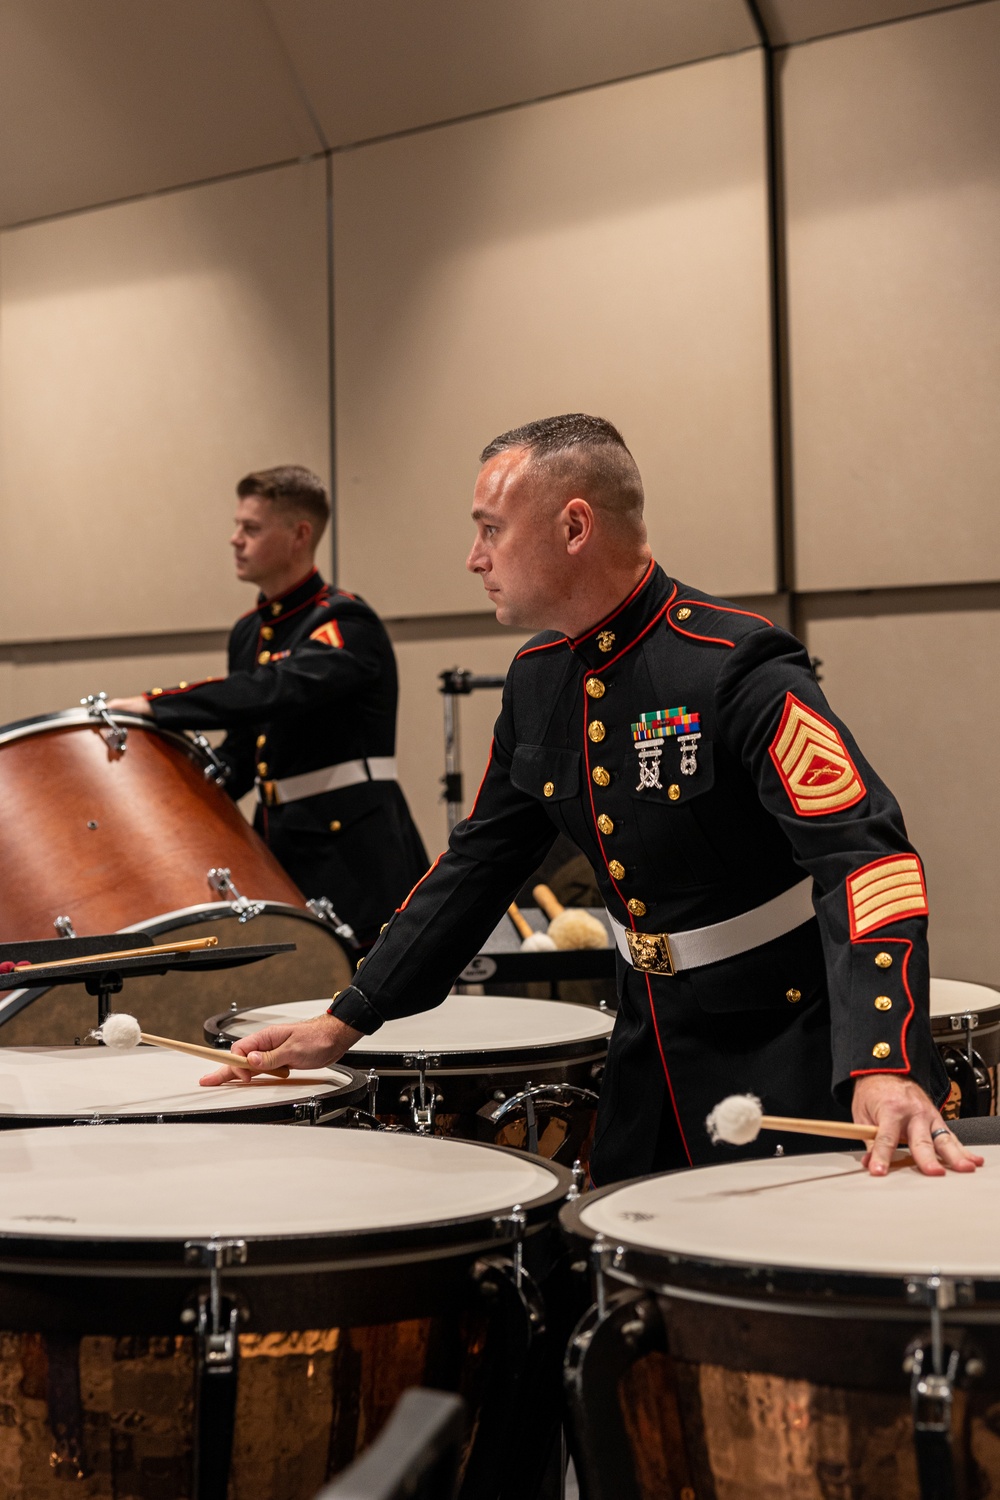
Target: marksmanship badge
648, 736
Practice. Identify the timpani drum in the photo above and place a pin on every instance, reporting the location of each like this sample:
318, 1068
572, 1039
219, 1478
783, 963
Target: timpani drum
233, 1311
500, 1068
98, 1086
789, 1327
965, 1020
108, 834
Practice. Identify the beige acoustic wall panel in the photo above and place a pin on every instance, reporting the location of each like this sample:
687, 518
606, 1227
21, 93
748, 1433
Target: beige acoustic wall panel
43, 687
892, 142
919, 692
151, 354
604, 252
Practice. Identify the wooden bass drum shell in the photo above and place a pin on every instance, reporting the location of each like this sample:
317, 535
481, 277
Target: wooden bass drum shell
123, 841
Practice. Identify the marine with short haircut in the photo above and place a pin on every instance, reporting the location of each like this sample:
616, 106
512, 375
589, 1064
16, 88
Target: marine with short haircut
769, 911
310, 709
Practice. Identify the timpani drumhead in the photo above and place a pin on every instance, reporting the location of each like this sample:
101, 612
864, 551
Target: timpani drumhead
461, 1024
821, 1213
141, 1182
957, 997
68, 1083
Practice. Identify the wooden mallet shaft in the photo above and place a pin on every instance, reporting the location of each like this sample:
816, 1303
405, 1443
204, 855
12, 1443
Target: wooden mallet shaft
210, 1054
843, 1129
547, 900
520, 921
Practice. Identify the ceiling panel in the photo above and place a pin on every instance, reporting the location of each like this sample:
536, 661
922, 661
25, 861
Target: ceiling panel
373, 67
799, 20
110, 99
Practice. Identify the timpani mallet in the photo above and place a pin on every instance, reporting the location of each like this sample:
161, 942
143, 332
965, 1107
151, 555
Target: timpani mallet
122, 1032
569, 927
531, 941
739, 1120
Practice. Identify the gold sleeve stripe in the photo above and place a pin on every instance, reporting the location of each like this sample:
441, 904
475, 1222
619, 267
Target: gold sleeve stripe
886, 891
813, 762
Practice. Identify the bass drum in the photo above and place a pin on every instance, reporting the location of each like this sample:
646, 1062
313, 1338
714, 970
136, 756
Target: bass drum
137, 837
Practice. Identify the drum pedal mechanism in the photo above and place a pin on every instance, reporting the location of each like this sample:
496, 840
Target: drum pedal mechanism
113, 735
217, 1335
220, 879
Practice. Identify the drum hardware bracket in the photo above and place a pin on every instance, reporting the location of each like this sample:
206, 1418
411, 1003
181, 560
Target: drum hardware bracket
103, 986
216, 770
967, 1023
307, 1112
64, 927
322, 907
115, 736
424, 1102
934, 1370
219, 1343
579, 1179
220, 879
372, 1082
514, 1225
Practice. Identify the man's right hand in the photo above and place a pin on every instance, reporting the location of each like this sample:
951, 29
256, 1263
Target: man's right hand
310, 1044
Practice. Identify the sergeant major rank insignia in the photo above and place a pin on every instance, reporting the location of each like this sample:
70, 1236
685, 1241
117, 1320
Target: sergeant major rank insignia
648, 736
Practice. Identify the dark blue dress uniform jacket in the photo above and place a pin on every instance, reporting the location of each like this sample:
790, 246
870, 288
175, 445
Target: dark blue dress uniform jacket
312, 683
780, 791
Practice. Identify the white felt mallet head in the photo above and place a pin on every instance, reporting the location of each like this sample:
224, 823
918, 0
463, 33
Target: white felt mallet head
120, 1032
736, 1120
538, 942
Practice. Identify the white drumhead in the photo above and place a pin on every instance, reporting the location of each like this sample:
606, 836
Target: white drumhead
956, 997
822, 1212
71, 1082
181, 1181
463, 1023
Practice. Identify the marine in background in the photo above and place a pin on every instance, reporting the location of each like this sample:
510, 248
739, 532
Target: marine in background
309, 707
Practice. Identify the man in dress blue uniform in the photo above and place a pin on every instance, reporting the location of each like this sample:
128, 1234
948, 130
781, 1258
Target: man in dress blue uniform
771, 914
310, 709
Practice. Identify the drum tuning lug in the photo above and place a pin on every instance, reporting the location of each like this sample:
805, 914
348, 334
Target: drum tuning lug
215, 769
372, 1082
514, 1224
220, 879
217, 1324
64, 927
423, 1103
115, 736
600, 1254
307, 1112
322, 907
579, 1179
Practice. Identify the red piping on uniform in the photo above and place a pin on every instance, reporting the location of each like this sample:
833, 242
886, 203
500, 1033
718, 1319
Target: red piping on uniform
715, 640
618, 608
593, 811
634, 642
880, 942
475, 800
275, 598
666, 1070
420, 882
545, 646
173, 692
727, 609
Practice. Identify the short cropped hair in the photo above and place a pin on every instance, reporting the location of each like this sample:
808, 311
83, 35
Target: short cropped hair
584, 453
295, 491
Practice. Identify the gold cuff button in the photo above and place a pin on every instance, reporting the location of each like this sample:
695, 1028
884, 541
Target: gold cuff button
267, 633
683, 614
881, 1049
335, 827
637, 907
596, 731
882, 1002
605, 640
793, 996
884, 960
548, 789
616, 870
262, 768
673, 791
263, 658
601, 776
605, 824
261, 741
595, 687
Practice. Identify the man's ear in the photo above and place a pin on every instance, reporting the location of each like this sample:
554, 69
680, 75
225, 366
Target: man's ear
578, 518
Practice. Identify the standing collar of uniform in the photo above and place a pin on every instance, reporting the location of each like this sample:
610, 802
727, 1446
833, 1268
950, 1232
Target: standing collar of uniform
300, 593
604, 642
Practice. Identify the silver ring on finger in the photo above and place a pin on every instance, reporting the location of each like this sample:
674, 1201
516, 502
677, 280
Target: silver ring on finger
943, 1130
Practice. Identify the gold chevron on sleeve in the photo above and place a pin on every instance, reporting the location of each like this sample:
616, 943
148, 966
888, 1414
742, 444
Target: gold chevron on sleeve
886, 891
813, 762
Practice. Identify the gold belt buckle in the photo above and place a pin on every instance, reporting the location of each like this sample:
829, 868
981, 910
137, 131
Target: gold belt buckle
651, 952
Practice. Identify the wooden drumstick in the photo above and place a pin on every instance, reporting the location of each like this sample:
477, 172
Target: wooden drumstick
189, 945
520, 921
546, 899
739, 1120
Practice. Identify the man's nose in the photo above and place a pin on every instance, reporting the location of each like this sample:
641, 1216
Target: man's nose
475, 562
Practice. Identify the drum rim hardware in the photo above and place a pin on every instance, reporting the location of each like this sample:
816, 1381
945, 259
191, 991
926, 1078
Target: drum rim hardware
220, 878
114, 734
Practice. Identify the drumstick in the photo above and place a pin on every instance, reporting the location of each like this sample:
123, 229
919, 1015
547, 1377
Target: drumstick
546, 899
122, 1032
524, 927
188, 946
739, 1120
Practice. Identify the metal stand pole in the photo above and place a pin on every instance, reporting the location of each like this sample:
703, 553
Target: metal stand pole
457, 683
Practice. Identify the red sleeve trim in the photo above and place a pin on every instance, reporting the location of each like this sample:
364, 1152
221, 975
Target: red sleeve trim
881, 943
420, 882
155, 694
489, 762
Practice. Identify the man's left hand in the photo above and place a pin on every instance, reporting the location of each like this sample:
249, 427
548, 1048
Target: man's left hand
130, 706
903, 1112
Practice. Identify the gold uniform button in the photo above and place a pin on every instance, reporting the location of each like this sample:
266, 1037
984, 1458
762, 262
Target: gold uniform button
595, 687
264, 658
605, 824
881, 1049
267, 632
673, 791
882, 1002
156, 692
605, 640
182, 684
601, 776
262, 768
596, 731
683, 614
884, 960
637, 907
616, 870
793, 996
548, 789
261, 741
335, 827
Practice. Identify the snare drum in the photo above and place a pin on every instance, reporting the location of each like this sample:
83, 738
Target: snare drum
500, 1068
965, 1020
213, 1310
97, 1086
789, 1327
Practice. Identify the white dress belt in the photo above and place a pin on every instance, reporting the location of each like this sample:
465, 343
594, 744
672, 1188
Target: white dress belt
709, 945
332, 778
